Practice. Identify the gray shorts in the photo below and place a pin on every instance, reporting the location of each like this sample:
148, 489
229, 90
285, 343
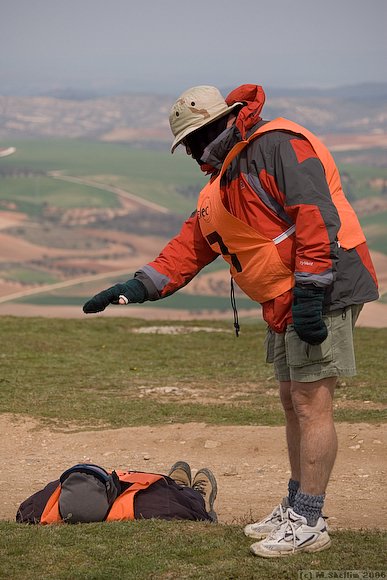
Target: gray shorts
297, 360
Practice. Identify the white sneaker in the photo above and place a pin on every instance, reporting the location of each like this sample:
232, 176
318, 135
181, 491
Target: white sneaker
263, 528
293, 536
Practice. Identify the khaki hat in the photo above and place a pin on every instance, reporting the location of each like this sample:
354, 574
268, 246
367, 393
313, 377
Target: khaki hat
195, 108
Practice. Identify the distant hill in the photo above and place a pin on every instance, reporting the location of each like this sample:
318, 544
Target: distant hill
143, 118
363, 91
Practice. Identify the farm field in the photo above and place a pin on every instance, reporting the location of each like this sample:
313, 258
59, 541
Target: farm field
153, 175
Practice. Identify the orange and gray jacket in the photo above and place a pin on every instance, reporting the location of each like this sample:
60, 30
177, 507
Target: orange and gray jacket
143, 496
277, 182
122, 507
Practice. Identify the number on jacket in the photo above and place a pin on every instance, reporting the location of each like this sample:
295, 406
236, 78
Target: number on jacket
214, 238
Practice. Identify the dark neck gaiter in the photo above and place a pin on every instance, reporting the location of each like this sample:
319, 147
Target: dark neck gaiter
198, 140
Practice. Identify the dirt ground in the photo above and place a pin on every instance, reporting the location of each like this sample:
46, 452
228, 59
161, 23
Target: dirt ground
250, 464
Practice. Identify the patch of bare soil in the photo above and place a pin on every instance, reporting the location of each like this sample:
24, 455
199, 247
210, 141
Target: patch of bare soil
11, 218
250, 464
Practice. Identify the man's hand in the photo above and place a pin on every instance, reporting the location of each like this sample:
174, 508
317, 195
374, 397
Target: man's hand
307, 314
130, 291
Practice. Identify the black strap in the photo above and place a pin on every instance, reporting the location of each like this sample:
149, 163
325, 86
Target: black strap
235, 310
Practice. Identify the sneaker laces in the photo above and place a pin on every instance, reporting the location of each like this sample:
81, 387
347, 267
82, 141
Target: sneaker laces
278, 513
280, 531
200, 486
281, 514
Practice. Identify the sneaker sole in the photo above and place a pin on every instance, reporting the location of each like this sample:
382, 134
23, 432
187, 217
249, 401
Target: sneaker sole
213, 516
257, 536
323, 543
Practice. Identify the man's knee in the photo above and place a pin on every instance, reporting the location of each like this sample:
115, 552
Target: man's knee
313, 400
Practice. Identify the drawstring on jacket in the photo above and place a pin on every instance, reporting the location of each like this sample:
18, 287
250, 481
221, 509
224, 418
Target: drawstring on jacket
235, 310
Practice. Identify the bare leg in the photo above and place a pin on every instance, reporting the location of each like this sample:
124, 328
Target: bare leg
292, 430
312, 404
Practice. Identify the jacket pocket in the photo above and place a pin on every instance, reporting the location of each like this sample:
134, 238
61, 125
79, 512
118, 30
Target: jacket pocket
300, 353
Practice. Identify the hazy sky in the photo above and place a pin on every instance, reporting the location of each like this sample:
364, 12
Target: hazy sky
166, 46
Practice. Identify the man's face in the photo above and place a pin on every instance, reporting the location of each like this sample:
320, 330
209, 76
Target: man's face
196, 142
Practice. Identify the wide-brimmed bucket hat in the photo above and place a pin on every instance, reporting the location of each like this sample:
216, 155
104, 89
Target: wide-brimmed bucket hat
195, 108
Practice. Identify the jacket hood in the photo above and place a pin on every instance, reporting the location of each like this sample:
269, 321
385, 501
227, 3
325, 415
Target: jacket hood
253, 97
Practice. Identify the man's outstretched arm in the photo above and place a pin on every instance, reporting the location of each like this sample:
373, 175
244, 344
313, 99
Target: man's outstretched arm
181, 259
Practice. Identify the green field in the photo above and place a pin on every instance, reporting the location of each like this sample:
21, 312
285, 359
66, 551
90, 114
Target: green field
33, 194
90, 371
360, 176
29, 276
153, 175
375, 228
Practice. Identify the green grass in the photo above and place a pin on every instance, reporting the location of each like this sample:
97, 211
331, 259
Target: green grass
94, 371
189, 550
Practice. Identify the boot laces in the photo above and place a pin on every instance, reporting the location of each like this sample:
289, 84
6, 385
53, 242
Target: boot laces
200, 486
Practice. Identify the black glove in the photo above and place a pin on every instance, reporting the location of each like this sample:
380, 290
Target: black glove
133, 290
307, 314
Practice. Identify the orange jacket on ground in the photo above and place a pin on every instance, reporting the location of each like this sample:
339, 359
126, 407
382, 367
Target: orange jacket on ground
163, 499
123, 506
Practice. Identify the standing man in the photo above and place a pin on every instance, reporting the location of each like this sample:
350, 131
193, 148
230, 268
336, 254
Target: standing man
275, 210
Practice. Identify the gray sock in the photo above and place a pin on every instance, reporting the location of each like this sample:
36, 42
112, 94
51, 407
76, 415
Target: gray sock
293, 486
309, 506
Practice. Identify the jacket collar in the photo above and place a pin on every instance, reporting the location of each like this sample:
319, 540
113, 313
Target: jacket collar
215, 153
